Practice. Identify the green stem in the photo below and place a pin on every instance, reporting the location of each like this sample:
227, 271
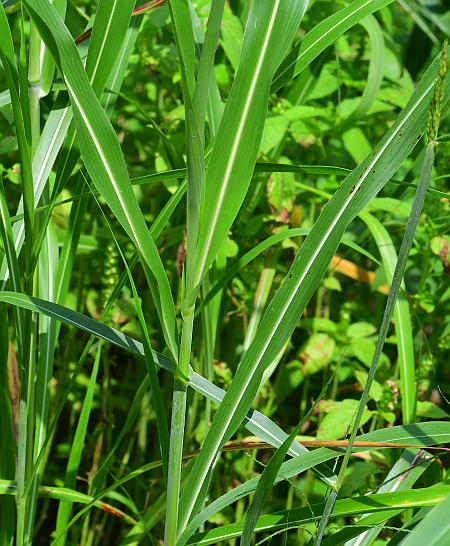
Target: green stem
34, 89
177, 432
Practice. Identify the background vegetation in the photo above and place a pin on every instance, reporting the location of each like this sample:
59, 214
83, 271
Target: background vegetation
101, 234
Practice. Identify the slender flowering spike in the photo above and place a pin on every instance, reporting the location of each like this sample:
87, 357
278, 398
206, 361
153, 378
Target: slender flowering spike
434, 114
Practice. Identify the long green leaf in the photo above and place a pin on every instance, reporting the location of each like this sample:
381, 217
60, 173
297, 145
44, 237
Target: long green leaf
321, 36
430, 434
102, 155
436, 433
77, 449
402, 318
269, 32
60, 118
376, 71
292, 519
256, 422
47, 336
269, 476
21, 120
310, 264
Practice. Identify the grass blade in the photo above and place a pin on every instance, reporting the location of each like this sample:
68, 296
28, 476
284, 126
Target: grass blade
257, 423
402, 319
321, 36
310, 264
393, 293
103, 157
269, 32
269, 475
76, 451
292, 519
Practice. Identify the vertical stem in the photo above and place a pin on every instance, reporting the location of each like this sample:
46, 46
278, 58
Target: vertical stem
177, 432
34, 89
28, 367
195, 91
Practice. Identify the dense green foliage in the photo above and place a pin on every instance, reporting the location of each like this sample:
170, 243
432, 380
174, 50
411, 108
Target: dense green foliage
204, 202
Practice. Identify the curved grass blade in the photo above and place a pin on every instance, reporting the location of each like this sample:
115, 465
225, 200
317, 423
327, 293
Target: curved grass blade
376, 71
321, 36
60, 118
249, 256
103, 157
257, 423
402, 319
8, 487
437, 433
76, 450
292, 519
111, 20
151, 466
310, 264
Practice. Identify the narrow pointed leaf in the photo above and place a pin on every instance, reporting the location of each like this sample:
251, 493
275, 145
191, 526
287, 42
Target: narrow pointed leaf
426, 434
255, 421
102, 155
292, 519
270, 29
308, 268
321, 36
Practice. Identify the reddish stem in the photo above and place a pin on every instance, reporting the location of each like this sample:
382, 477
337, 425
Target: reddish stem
137, 11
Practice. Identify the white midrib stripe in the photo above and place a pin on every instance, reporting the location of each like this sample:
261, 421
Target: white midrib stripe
102, 47
39, 177
236, 142
38, 188
303, 53
105, 163
118, 193
299, 282
66, 111
40, 174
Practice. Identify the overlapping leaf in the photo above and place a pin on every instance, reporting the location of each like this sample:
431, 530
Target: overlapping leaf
269, 32
102, 155
309, 266
321, 36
